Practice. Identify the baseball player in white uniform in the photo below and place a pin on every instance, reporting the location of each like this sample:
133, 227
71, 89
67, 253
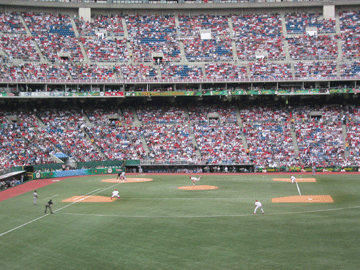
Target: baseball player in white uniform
258, 205
293, 179
35, 197
194, 179
122, 176
115, 193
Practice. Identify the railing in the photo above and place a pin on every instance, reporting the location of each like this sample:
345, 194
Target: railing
179, 162
174, 81
176, 1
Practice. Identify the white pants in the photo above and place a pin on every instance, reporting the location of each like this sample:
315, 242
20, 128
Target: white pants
256, 208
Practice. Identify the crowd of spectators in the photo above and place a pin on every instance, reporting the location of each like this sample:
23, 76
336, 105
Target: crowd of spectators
319, 137
127, 115
220, 143
136, 138
266, 70
44, 71
351, 118
10, 23
312, 47
258, 36
19, 47
225, 71
217, 46
166, 130
190, 26
208, 50
20, 143
350, 33
212, 114
297, 23
180, 72
113, 141
93, 72
106, 50
138, 72
315, 69
60, 48
169, 142
263, 136
108, 133
270, 144
161, 115
11, 72
45, 24
104, 24
349, 69
64, 128
268, 135
151, 34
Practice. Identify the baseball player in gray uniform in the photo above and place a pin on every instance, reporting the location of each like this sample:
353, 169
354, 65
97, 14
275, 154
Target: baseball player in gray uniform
49, 205
35, 197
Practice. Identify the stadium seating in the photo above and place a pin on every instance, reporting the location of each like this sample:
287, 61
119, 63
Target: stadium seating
214, 44
250, 47
167, 132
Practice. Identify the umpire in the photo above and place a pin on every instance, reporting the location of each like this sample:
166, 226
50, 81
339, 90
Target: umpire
49, 205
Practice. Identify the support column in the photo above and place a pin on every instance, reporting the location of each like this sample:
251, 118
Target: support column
329, 11
85, 13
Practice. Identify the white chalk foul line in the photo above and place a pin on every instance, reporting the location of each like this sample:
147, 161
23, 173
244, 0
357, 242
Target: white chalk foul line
215, 216
297, 185
98, 190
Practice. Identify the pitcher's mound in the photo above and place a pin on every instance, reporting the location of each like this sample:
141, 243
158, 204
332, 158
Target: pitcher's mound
88, 199
200, 187
128, 180
299, 180
304, 199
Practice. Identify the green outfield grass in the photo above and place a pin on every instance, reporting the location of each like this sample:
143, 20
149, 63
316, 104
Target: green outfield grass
157, 226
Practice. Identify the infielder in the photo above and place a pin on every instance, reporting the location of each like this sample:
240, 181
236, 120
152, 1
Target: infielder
257, 205
121, 176
35, 197
194, 179
115, 193
293, 179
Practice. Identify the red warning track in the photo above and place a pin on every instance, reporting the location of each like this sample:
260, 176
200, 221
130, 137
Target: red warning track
26, 187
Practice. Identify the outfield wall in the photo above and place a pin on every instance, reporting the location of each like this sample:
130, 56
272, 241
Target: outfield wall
68, 173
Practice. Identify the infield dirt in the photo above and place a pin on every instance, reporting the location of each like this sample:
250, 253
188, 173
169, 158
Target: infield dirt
304, 199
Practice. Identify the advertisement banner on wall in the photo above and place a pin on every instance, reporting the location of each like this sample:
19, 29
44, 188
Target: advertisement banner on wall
114, 94
7, 94
42, 94
67, 173
84, 94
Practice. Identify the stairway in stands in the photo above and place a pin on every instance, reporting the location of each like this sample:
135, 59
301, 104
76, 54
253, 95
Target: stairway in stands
137, 123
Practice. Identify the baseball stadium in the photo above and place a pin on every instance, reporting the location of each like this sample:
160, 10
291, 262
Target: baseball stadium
179, 134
